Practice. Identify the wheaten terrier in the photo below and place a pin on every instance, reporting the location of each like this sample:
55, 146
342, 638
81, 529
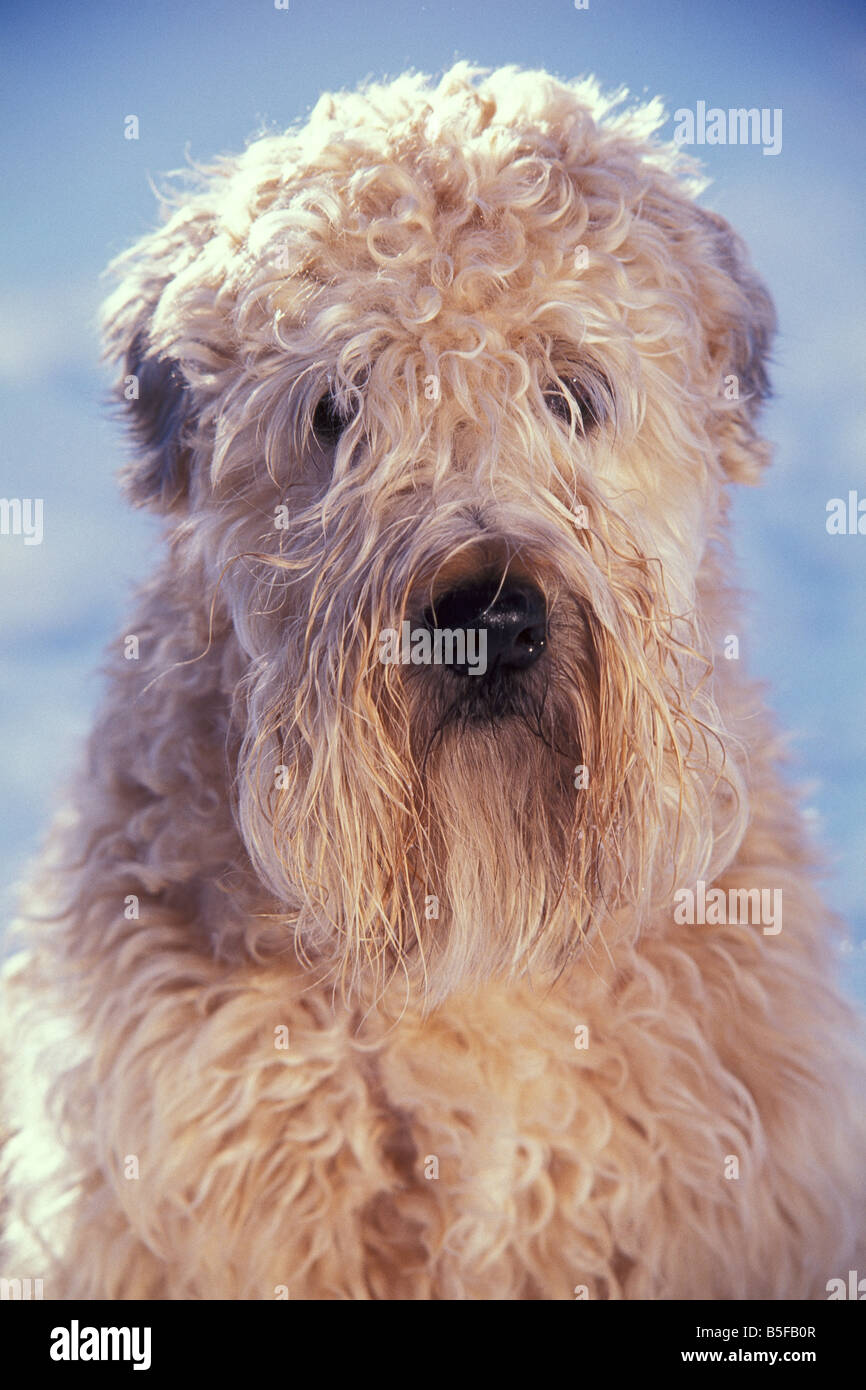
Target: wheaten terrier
430, 920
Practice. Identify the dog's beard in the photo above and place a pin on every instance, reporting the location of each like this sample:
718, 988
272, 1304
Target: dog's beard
441, 834
502, 837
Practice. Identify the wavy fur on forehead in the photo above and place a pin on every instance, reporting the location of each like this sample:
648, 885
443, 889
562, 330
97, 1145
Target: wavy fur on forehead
485, 204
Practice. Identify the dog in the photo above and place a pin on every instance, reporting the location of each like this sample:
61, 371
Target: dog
430, 918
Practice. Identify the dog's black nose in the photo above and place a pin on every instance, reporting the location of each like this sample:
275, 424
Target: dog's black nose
513, 614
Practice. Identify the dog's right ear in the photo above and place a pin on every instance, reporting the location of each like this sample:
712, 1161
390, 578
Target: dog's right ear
142, 323
157, 404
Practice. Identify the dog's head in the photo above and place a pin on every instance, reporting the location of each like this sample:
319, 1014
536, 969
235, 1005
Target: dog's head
440, 394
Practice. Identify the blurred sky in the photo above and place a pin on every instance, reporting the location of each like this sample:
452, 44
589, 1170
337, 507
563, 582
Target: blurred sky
202, 77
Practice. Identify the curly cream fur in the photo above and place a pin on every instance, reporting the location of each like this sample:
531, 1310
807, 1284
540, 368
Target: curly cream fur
283, 806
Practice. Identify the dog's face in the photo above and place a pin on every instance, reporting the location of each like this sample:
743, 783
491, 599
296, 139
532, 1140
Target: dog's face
456, 358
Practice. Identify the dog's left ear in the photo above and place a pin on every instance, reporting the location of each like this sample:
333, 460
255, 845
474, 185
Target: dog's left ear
739, 322
735, 321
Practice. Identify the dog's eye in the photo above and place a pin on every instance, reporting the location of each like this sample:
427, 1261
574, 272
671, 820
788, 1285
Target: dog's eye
328, 421
588, 401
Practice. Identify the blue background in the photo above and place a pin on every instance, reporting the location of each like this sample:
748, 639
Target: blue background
202, 78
